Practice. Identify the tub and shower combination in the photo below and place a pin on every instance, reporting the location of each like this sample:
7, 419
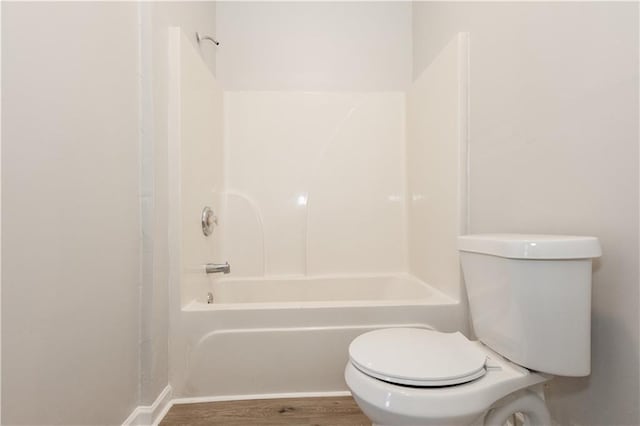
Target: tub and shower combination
318, 202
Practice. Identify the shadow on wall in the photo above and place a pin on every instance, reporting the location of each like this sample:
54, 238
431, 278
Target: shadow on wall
610, 380
609, 335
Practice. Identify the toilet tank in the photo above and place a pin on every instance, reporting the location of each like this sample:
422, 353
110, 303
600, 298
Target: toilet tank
530, 298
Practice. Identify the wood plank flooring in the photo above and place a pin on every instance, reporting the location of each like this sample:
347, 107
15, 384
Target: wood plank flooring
333, 411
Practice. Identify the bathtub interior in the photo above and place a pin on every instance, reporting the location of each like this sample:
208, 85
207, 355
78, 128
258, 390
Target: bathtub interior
330, 226
398, 288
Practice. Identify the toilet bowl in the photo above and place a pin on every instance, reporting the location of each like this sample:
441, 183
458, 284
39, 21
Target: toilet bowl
518, 287
451, 390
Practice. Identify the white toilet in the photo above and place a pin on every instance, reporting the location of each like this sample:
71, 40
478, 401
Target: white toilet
530, 302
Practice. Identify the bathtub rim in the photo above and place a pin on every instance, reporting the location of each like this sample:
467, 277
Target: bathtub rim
435, 297
196, 306
318, 277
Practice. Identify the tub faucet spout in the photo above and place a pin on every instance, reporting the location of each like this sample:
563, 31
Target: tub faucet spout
214, 268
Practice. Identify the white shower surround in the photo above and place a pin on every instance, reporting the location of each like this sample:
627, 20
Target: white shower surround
317, 196
317, 183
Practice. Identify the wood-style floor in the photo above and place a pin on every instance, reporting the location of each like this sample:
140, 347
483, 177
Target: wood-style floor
334, 411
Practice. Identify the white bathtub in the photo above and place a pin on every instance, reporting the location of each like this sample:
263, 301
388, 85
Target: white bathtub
287, 335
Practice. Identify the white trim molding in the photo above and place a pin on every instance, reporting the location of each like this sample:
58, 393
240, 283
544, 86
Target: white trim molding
151, 414
196, 400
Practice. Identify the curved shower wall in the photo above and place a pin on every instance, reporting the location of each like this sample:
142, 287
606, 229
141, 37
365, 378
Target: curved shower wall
243, 230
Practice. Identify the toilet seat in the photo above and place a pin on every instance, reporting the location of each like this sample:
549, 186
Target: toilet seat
418, 357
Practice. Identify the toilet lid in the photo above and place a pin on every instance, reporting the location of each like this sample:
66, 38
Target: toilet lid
417, 357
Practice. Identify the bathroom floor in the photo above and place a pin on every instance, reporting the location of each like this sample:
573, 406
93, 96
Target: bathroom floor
334, 411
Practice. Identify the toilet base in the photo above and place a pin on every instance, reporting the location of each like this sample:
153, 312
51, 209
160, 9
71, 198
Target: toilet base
528, 403
384, 418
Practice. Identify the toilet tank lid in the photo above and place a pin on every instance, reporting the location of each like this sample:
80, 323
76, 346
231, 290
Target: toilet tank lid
531, 246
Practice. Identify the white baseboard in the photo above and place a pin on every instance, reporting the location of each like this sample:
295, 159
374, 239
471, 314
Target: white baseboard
259, 396
151, 414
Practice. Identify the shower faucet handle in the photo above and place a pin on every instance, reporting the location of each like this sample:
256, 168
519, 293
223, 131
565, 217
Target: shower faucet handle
214, 268
209, 220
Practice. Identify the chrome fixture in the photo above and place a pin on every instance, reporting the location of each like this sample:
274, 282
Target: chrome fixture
199, 38
209, 221
214, 268
209, 298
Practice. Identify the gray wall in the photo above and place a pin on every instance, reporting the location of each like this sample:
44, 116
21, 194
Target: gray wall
554, 149
84, 160
314, 45
70, 213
